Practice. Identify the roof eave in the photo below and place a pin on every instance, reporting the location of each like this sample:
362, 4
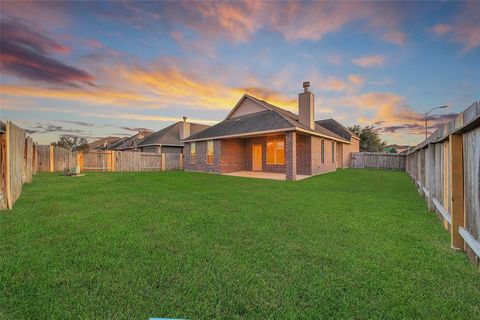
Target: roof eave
246, 134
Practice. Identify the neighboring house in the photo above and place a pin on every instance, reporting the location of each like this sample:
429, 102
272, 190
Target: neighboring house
131, 143
168, 140
257, 136
103, 143
397, 148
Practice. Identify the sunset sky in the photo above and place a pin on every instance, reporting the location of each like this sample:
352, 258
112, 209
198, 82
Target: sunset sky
108, 68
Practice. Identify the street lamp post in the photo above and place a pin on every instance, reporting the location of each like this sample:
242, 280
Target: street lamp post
426, 118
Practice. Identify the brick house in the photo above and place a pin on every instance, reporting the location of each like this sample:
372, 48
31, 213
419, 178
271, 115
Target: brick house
258, 136
168, 140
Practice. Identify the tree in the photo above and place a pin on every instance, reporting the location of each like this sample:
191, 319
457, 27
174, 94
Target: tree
72, 142
370, 140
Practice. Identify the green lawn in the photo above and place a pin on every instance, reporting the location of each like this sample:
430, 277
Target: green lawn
350, 244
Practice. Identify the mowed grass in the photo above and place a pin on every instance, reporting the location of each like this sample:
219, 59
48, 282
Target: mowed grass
350, 244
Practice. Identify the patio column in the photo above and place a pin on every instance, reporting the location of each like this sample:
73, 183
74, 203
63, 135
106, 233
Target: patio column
291, 155
217, 156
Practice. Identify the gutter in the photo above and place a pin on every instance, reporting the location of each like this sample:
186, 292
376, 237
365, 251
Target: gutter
160, 145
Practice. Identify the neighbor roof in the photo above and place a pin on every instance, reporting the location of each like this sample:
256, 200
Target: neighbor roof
273, 119
170, 135
101, 142
132, 142
117, 143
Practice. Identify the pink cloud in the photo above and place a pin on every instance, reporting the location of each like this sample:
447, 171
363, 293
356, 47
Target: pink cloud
464, 28
369, 61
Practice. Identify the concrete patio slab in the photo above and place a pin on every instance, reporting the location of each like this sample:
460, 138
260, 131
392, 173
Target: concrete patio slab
262, 175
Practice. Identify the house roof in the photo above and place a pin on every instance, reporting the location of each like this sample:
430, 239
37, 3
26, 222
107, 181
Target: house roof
273, 119
336, 127
255, 122
170, 135
101, 142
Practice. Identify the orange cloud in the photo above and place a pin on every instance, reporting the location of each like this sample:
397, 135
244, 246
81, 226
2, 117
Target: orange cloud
391, 113
164, 84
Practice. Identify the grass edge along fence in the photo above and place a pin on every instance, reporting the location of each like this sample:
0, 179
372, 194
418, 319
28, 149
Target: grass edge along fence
21, 158
446, 170
17, 162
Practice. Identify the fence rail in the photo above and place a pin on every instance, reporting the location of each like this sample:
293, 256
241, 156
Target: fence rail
376, 160
446, 169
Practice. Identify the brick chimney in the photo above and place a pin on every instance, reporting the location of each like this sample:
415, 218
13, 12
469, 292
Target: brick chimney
306, 107
184, 129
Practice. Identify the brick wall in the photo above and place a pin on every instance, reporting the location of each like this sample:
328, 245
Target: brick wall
304, 159
340, 155
232, 155
291, 155
327, 165
347, 150
201, 158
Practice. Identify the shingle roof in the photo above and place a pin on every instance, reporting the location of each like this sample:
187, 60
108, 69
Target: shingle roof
170, 135
336, 127
273, 118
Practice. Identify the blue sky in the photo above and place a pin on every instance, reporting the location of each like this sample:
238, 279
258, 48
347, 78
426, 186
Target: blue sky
109, 68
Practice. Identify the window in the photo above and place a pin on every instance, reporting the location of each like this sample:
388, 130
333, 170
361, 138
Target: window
276, 151
333, 151
193, 152
210, 152
323, 151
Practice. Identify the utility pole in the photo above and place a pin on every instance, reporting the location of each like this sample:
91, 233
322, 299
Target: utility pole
426, 118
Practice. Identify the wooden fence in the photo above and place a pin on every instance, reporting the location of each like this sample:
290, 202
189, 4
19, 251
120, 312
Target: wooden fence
375, 160
17, 162
55, 159
446, 170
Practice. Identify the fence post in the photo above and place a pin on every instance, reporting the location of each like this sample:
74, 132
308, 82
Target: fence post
112, 165
456, 174
80, 161
163, 162
52, 164
180, 161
